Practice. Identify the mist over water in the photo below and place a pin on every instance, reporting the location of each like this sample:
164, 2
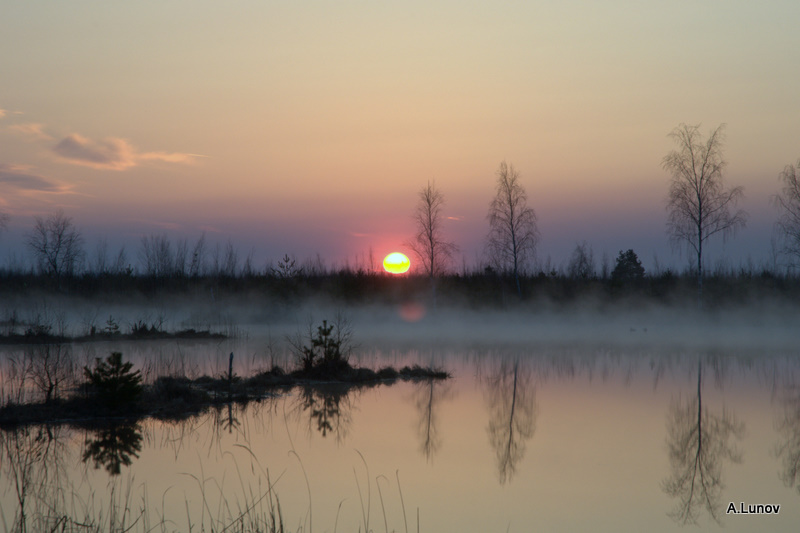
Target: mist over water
578, 417
763, 323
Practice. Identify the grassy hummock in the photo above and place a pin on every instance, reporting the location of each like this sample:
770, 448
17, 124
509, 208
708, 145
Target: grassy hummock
178, 398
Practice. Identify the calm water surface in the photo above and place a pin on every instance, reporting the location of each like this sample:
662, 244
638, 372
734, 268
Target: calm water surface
556, 438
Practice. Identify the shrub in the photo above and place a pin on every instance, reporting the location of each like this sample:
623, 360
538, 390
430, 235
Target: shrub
51, 367
113, 382
328, 350
628, 268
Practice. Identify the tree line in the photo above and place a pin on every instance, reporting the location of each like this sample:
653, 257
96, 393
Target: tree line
699, 206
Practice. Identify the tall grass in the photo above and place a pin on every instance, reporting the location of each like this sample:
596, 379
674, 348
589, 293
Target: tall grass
247, 503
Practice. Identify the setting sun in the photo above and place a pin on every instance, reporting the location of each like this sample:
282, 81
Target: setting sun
396, 263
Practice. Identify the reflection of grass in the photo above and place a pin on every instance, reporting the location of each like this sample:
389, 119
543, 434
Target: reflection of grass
245, 499
218, 509
70, 513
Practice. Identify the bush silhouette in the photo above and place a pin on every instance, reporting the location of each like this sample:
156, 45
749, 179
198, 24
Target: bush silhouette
628, 268
328, 349
113, 382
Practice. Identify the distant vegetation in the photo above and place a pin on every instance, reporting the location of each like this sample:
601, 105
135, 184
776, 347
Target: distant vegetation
700, 206
575, 283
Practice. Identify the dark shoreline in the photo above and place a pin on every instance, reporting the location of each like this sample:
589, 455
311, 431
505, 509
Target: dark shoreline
172, 398
47, 338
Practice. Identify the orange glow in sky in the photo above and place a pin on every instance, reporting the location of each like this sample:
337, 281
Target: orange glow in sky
396, 263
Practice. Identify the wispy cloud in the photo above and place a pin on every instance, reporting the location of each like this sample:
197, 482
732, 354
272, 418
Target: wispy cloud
170, 158
455, 218
4, 112
34, 131
111, 153
19, 178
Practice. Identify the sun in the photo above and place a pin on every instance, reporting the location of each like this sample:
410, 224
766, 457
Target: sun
396, 263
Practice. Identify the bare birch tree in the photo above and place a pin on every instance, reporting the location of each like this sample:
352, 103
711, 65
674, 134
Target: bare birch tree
57, 246
699, 205
156, 257
429, 244
513, 234
788, 200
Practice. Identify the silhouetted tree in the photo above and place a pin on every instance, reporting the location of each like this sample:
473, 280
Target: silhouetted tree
513, 234
113, 382
156, 256
581, 262
429, 244
51, 367
512, 416
788, 200
698, 442
287, 268
628, 268
326, 352
699, 205
56, 245
3, 221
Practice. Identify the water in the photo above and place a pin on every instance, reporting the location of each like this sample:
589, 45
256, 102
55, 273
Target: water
565, 437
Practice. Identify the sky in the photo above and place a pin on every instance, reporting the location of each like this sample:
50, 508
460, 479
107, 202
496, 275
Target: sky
309, 127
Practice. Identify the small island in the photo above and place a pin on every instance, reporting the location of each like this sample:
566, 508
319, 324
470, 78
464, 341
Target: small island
40, 331
113, 390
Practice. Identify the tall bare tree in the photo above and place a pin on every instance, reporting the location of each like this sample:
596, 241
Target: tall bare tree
699, 205
513, 234
788, 200
3, 221
56, 244
581, 262
156, 257
429, 244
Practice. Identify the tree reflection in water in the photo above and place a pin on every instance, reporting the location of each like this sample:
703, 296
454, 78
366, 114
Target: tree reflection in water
428, 394
511, 401
328, 406
788, 448
114, 446
227, 421
698, 444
